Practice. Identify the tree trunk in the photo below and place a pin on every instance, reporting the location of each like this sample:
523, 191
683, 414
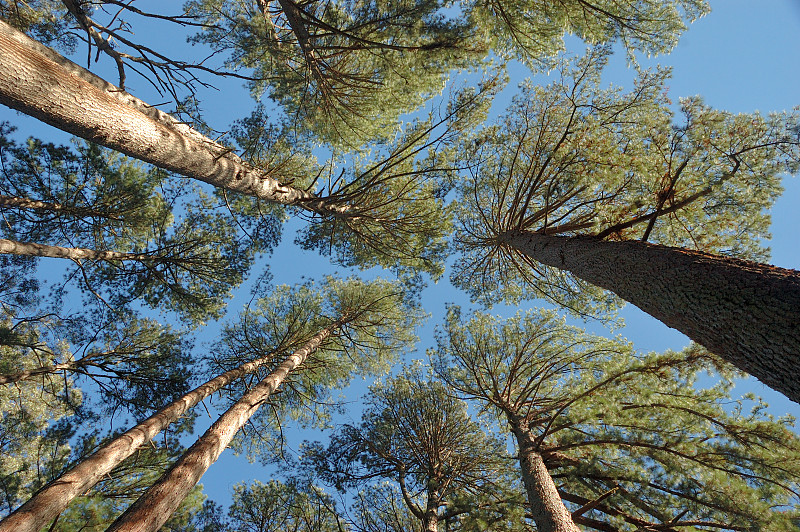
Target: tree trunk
155, 507
31, 249
745, 312
39, 82
547, 509
10, 378
36, 205
430, 519
51, 500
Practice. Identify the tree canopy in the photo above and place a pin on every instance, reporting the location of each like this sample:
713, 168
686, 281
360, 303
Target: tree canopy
401, 146
616, 426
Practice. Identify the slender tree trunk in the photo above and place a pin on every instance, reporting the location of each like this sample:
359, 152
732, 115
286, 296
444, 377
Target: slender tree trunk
36, 205
51, 500
155, 507
10, 378
31, 249
745, 312
39, 82
547, 509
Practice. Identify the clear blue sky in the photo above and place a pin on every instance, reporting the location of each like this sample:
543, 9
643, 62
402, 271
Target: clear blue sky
742, 57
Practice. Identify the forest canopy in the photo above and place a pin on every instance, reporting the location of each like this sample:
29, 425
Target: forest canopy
476, 194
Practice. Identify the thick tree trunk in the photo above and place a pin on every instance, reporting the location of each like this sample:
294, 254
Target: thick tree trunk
31, 249
155, 507
51, 500
39, 82
547, 509
745, 312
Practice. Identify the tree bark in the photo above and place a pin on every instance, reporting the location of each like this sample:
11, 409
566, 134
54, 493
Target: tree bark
39, 82
430, 519
10, 378
36, 205
51, 500
745, 312
547, 509
155, 507
31, 249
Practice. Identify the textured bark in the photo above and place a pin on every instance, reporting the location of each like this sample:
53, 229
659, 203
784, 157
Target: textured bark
745, 312
51, 500
36, 205
547, 509
31, 249
430, 519
155, 507
39, 82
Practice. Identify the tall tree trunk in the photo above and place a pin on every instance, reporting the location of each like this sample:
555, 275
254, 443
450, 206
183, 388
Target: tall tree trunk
745, 312
547, 509
51, 500
39, 82
31, 249
155, 507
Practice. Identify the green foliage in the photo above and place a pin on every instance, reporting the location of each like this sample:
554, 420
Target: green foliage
417, 435
372, 322
531, 30
47, 21
344, 70
259, 507
30, 443
393, 217
573, 158
193, 252
606, 419
379, 507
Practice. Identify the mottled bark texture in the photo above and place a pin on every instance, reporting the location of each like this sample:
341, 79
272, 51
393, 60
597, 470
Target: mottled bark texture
547, 509
51, 500
745, 312
155, 507
39, 82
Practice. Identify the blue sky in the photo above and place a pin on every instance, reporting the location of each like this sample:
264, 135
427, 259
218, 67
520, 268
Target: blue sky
743, 56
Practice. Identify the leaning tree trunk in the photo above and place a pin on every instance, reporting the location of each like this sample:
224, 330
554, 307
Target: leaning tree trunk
745, 312
155, 507
547, 509
32, 249
10, 378
51, 500
39, 82
36, 205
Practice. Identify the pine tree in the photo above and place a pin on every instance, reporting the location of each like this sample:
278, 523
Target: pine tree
359, 327
118, 224
624, 440
420, 438
275, 505
580, 189
333, 65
